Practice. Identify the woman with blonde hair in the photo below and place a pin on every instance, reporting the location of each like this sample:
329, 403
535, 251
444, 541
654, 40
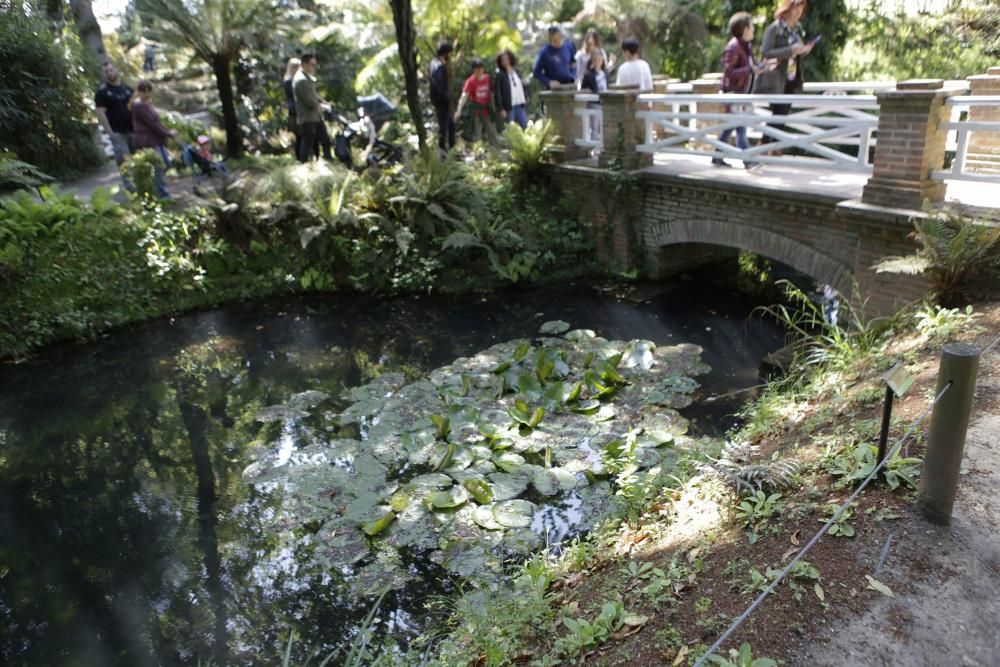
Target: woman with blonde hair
783, 47
591, 42
293, 124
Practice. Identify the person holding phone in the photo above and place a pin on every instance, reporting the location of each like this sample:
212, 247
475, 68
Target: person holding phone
783, 49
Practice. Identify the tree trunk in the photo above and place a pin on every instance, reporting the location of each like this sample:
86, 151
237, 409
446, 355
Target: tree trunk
88, 28
221, 67
402, 16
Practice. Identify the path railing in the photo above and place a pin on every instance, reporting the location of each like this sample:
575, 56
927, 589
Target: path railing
591, 119
962, 132
829, 132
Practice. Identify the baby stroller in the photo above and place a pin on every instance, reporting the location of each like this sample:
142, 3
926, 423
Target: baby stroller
363, 133
202, 167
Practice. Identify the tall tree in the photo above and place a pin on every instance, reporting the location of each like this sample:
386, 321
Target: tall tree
86, 24
217, 30
402, 16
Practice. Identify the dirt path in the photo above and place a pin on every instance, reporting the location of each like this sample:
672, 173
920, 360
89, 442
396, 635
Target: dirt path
951, 614
105, 176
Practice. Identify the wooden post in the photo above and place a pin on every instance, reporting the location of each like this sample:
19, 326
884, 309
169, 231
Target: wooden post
949, 423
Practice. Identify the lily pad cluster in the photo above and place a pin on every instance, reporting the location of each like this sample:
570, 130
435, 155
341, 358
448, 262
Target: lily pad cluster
487, 456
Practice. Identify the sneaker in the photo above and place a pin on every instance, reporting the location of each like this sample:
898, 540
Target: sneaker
751, 166
719, 162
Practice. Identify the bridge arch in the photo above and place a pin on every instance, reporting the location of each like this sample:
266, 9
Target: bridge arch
773, 245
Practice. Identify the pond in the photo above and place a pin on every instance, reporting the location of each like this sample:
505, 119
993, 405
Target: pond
129, 533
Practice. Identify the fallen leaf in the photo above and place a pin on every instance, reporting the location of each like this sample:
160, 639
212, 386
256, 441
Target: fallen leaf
681, 655
795, 538
693, 554
818, 590
788, 554
635, 620
877, 585
259, 327
626, 631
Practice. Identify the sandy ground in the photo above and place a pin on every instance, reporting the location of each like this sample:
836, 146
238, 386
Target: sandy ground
951, 613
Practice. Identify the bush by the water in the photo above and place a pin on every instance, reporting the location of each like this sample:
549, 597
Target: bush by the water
45, 118
71, 268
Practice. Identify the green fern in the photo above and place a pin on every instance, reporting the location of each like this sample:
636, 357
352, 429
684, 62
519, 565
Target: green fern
530, 149
18, 175
955, 249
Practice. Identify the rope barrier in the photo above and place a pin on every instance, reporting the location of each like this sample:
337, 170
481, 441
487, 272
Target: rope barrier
822, 531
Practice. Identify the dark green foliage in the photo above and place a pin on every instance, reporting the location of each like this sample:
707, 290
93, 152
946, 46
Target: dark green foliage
140, 169
69, 269
953, 45
568, 9
45, 116
831, 19
17, 175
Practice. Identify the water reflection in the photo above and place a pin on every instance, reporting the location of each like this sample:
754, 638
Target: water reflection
127, 534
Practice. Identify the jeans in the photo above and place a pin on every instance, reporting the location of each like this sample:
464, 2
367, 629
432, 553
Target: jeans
446, 127
161, 190
519, 115
311, 133
741, 132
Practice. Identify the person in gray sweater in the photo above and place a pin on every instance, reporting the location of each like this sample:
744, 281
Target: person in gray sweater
783, 49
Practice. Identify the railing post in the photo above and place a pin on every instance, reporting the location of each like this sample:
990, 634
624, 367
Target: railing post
559, 106
706, 87
622, 132
949, 423
910, 145
984, 147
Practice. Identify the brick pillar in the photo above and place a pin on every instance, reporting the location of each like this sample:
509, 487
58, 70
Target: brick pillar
984, 147
622, 130
559, 106
707, 87
910, 145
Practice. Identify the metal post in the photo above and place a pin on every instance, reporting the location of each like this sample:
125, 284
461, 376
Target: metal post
883, 437
950, 420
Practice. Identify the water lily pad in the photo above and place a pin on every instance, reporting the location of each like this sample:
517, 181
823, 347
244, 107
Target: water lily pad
639, 355
545, 482
483, 517
307, 399
461, 459
433, 480
514, 513
554, 327
278, 413
479, 490
580, 335
507, 486
375, 527
456, 496
508, 461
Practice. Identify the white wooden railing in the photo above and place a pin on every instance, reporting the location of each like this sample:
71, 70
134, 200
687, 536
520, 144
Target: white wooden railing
962, 131
591, 120
819, 126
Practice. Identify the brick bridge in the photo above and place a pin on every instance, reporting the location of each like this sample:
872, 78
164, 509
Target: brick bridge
642, 174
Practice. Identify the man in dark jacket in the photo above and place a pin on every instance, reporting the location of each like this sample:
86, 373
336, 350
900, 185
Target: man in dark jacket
556, 62
441, 96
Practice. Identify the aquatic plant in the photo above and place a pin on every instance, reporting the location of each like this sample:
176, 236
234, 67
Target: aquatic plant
486, 456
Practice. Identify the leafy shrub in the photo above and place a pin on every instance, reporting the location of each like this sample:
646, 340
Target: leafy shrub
140, 170
45, 119
18, 175
940, 322
955, 249
529, 149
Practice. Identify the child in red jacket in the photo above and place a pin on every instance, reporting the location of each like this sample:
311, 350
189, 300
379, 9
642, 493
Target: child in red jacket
479, 91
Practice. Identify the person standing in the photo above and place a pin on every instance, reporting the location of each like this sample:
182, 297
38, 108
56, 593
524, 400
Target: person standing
149, 53
291, 69
309, 108
508, 91
112, 103
440, 82
739, 69
555, 64
150, 132
785, 48
478, 91
634, 71
591, 41
595, 80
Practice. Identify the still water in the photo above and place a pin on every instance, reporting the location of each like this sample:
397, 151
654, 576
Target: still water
127, 533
